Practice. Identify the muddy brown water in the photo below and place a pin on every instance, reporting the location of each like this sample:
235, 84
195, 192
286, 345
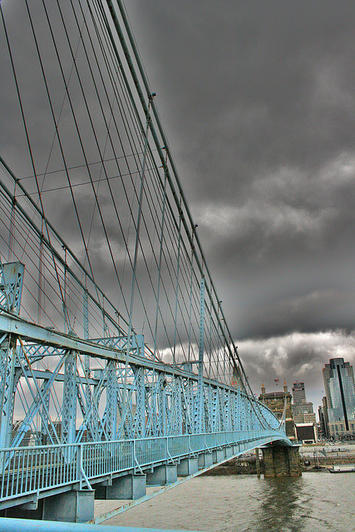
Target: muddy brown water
314, 502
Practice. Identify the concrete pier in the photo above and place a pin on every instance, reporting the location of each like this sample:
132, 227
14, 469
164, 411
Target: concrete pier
162, 475
71, 506
125, 487
228, 452
257, 462
217, 456
187, 466
281, 461
205, 460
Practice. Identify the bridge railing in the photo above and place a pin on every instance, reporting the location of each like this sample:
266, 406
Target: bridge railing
33, 469
27, 470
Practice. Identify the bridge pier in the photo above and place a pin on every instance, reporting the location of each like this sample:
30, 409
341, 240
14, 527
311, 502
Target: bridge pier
187, 466
228, 452
217, 456
281, 461
205, 460
125, 487
71, 506
162, 475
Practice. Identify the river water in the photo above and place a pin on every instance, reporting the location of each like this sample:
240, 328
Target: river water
316, 501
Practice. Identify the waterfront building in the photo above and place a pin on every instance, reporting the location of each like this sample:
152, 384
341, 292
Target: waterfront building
339, 387
306, 432
276, 401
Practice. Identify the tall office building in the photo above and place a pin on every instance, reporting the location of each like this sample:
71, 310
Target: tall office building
302, 410
339, 387
303, 414
298, 393
323, 418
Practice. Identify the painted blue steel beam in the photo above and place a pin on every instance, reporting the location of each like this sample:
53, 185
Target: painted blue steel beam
42, 335
11, 282
29, 525
162, 380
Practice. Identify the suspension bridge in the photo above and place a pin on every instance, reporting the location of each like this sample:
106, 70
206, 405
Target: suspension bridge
118, 369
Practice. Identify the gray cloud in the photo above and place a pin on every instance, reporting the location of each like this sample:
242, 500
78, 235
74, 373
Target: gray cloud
295, 356
257, 99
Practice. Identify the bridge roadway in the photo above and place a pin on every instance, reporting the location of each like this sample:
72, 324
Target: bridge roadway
33, 473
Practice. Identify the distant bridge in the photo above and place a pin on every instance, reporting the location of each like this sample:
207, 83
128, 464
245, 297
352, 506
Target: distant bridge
118, 368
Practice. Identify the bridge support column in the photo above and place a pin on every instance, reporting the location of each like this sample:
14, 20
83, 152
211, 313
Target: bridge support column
70, 506
257, 462
126, 487
281, 461
217, 456
236, 449
205, 460
162, 475
187, 466
228, 452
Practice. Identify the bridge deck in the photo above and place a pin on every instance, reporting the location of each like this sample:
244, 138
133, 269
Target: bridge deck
31, 473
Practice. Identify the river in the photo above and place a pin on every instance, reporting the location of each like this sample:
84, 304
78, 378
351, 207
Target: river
316, 501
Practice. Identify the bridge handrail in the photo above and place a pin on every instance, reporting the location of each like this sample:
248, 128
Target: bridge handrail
41, 468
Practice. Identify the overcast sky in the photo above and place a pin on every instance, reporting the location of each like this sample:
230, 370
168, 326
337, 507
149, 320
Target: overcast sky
258, 101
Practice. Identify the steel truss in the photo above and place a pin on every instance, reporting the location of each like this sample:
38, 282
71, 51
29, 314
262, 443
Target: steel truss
103, 407
127, 396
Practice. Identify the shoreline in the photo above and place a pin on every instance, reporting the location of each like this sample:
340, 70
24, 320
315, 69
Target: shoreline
246, 465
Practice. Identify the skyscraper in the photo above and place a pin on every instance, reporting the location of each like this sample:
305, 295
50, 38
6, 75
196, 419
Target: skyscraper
323, 418
339, 388
302, 410
305, 419
298, 393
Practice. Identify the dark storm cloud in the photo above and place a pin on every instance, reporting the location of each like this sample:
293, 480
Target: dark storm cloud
258, 101
270, 84
296, 356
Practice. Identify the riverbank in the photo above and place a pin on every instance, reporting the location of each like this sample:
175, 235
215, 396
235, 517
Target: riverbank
318, 459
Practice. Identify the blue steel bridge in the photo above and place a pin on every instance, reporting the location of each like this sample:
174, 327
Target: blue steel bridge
118, 369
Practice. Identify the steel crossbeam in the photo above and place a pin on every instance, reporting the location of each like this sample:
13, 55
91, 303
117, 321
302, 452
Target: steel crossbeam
36, 334
8, 354
165, 394
11, 281
69, 398
111, 400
